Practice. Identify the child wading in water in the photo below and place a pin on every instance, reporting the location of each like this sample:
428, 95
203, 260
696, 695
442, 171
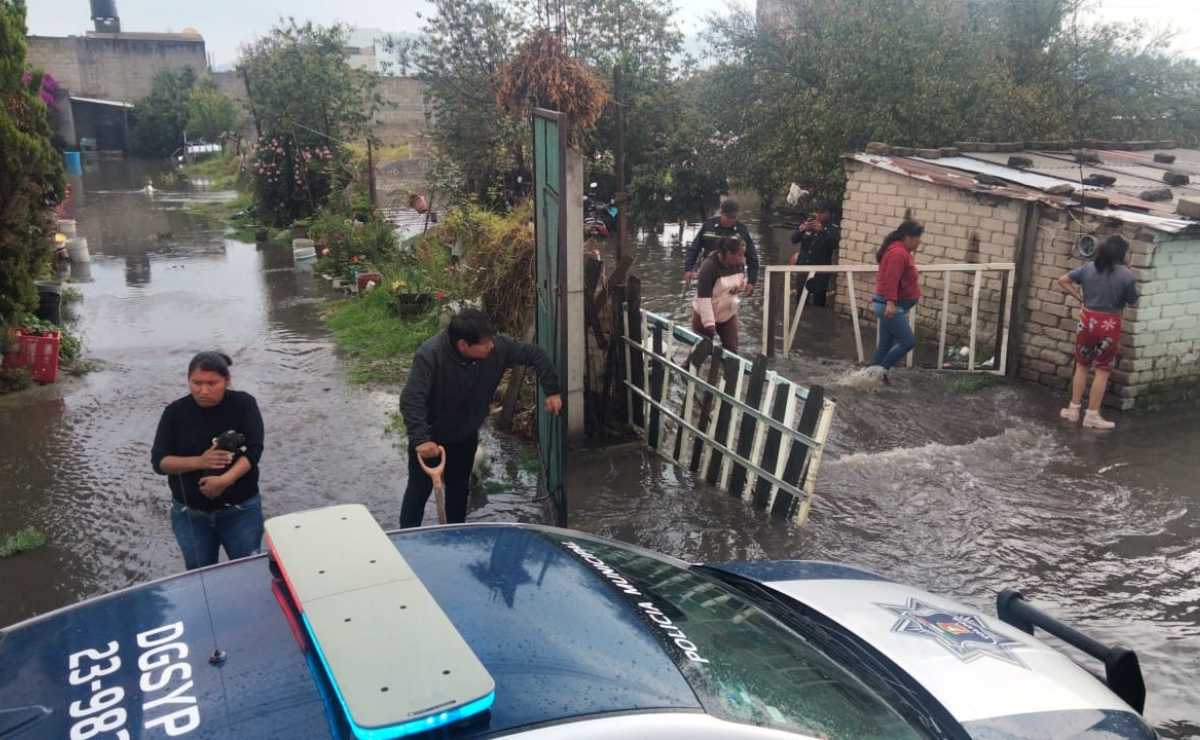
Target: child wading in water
1105, 286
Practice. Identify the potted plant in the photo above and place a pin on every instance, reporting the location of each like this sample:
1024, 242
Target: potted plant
410, 297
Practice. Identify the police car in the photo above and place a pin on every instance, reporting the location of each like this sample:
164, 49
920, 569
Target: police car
489, 630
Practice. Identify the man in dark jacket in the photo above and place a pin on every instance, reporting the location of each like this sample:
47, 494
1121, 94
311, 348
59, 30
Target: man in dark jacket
710, 235
446, 399
818, 240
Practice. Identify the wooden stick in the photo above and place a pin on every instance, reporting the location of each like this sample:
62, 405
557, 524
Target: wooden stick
945, 318
1001, 363
854, 316
799, 311
912, 326
787, 311
974, 316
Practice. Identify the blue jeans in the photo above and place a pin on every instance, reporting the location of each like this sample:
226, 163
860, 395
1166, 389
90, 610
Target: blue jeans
200, 534
895, 335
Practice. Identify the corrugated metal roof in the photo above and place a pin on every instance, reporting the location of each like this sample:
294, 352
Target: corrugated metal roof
1136, 172
1130, 184
996, 169
98, 101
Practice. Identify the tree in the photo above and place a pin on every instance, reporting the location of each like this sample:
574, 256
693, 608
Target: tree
210, 113
308, 103
463, 47
840, 73
466, 44
33, 181
299, 77
162, 116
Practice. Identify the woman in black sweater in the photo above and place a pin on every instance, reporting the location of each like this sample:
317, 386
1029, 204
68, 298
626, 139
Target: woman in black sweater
208, 445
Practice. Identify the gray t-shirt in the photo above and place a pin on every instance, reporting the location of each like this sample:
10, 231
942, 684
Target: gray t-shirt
1106, 291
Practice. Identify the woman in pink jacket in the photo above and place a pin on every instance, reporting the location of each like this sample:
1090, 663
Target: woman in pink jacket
721, 280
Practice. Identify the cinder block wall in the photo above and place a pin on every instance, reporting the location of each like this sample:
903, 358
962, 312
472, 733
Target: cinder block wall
112, 68
1161, 346
959, 228
1160, 351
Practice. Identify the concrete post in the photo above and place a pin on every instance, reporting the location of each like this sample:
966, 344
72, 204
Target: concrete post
576, 325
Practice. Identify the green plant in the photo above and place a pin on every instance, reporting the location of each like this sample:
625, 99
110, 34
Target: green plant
70, 345
306, 99
14, 379
23, 540
971, 382
346, 237
162, 116
32, 182
380, 344
210, 114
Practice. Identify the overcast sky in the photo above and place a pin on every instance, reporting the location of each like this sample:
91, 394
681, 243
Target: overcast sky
226, 24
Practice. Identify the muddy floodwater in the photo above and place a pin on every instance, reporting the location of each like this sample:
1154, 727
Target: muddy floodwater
961, 494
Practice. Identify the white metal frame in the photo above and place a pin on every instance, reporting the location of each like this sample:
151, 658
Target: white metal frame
677, 425
792, 324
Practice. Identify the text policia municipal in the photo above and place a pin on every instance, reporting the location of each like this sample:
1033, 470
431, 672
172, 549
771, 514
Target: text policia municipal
652, 612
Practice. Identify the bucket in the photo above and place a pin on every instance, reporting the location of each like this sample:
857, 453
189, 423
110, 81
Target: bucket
73, 163
303, 249
49, 302
81, 272
66, 227
77, 250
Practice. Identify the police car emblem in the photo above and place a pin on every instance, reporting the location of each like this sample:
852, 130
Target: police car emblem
966, 636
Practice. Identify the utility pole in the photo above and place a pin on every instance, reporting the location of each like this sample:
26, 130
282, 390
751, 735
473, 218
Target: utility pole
621, 201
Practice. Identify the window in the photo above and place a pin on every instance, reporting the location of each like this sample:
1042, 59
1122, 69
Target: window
743, 664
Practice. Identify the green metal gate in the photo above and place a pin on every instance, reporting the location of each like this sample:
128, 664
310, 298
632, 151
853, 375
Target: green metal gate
549, 177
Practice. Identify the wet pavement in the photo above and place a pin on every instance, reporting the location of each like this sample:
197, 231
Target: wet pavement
961, 494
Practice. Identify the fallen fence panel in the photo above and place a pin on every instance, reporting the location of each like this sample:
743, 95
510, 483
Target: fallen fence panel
747, 437
737, 420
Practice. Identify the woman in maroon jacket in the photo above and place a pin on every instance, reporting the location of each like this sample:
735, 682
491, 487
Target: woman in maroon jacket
897, 289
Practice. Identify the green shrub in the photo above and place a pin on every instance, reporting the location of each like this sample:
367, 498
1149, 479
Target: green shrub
31, 177
22, 540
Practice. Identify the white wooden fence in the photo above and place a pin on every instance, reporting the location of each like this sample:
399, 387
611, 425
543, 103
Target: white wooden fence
753, 433
792, 323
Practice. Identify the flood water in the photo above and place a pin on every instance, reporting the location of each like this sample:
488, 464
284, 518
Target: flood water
961, 494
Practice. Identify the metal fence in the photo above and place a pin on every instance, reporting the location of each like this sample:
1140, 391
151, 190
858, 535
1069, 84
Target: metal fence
747, 430
791, 324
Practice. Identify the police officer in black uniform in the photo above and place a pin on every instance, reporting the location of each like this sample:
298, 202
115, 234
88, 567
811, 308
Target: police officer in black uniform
818, 239
710, 235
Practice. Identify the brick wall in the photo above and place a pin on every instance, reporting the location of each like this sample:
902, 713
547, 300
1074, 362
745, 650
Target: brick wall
1161, 345
1160, 348
960, 227
1051, 316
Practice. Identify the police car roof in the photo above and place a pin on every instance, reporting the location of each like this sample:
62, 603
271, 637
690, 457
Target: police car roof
558, 640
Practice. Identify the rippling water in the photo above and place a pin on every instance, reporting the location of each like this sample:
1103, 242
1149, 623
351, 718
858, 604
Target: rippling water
959, 494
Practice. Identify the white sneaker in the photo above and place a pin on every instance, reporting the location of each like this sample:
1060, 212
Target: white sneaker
1070, 413
1093, 420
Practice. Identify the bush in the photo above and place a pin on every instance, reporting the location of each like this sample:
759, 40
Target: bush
70, 346
21, 541
293, 179
346, 237
32, 180
498, 263
14, 379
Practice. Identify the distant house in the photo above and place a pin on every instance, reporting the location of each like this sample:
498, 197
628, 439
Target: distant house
1045, 207
102, 73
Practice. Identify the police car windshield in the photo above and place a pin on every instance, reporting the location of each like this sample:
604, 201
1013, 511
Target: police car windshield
743, 664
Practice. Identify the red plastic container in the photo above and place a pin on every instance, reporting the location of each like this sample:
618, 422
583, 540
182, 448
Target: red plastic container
37, 351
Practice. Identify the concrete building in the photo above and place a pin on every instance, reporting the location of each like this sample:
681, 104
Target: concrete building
104, 72
1045, 210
